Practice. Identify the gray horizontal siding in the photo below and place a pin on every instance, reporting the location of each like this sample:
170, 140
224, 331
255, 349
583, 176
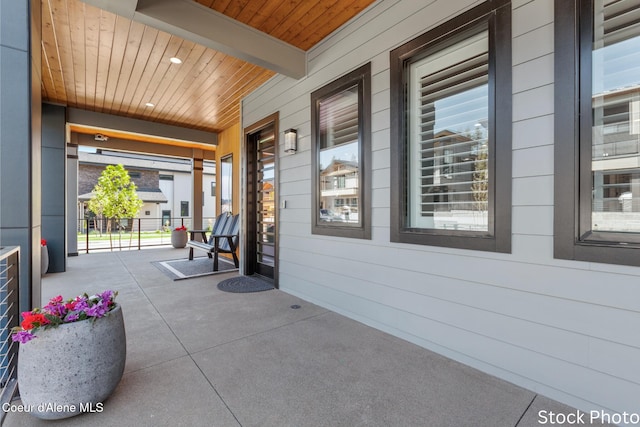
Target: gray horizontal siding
565, 329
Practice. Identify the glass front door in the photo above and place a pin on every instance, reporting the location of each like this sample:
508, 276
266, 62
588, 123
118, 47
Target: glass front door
260, 247
265, 202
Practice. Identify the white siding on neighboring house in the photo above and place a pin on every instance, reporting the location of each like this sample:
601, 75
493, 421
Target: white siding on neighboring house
182, 193
568, 330
150, 221
179, 189
209, 199
166, 185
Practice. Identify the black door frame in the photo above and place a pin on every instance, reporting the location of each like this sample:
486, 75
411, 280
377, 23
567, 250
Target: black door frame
250, 217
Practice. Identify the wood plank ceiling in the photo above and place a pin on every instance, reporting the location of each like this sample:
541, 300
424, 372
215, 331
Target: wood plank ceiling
95, 60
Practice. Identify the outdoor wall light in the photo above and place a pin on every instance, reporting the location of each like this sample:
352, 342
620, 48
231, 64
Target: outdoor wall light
290, 141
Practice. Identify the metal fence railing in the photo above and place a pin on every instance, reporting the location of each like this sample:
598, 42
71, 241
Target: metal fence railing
130, 233
9, 318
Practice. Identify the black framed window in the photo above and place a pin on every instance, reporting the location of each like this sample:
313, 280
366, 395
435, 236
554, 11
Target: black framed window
451, 133
340, 140
597, 131
184, 208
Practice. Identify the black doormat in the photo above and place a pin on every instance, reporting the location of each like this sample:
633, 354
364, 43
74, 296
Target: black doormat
180, 269
244, 284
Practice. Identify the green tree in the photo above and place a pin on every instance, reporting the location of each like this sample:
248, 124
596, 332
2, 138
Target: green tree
96, 205
114, 196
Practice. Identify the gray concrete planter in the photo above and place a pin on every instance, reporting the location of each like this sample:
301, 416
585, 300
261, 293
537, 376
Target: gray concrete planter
73, 368
44, 259
179, 238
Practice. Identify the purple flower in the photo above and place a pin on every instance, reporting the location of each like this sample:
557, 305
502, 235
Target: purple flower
97, 310
55, 310
106, 295
82, 304
22, 337
71, 317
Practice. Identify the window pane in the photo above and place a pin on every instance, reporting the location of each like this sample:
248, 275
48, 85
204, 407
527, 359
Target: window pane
226, 184
265, 203
448, 138
339, 158
615, 162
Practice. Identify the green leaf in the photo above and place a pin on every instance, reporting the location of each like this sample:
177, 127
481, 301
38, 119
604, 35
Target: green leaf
114, 196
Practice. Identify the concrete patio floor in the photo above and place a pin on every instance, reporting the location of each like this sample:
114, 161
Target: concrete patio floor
197, 356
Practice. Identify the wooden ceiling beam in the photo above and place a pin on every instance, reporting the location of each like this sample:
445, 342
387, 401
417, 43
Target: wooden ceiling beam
126, 143
126, 8
193, 21
160, 131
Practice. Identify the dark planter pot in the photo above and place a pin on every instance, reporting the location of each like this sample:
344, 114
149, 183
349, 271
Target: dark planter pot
72, 368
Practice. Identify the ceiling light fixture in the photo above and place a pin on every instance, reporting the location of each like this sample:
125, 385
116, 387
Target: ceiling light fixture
175, 60
148, 104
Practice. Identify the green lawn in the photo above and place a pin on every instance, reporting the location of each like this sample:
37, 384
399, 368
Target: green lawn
95, 236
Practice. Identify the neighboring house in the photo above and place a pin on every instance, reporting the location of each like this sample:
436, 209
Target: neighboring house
534, 293
453, 190
338, 190
163, 184
616, 179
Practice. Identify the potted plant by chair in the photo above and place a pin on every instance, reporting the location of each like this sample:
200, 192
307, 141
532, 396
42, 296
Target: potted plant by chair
44, 257
72, 355
179, 237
